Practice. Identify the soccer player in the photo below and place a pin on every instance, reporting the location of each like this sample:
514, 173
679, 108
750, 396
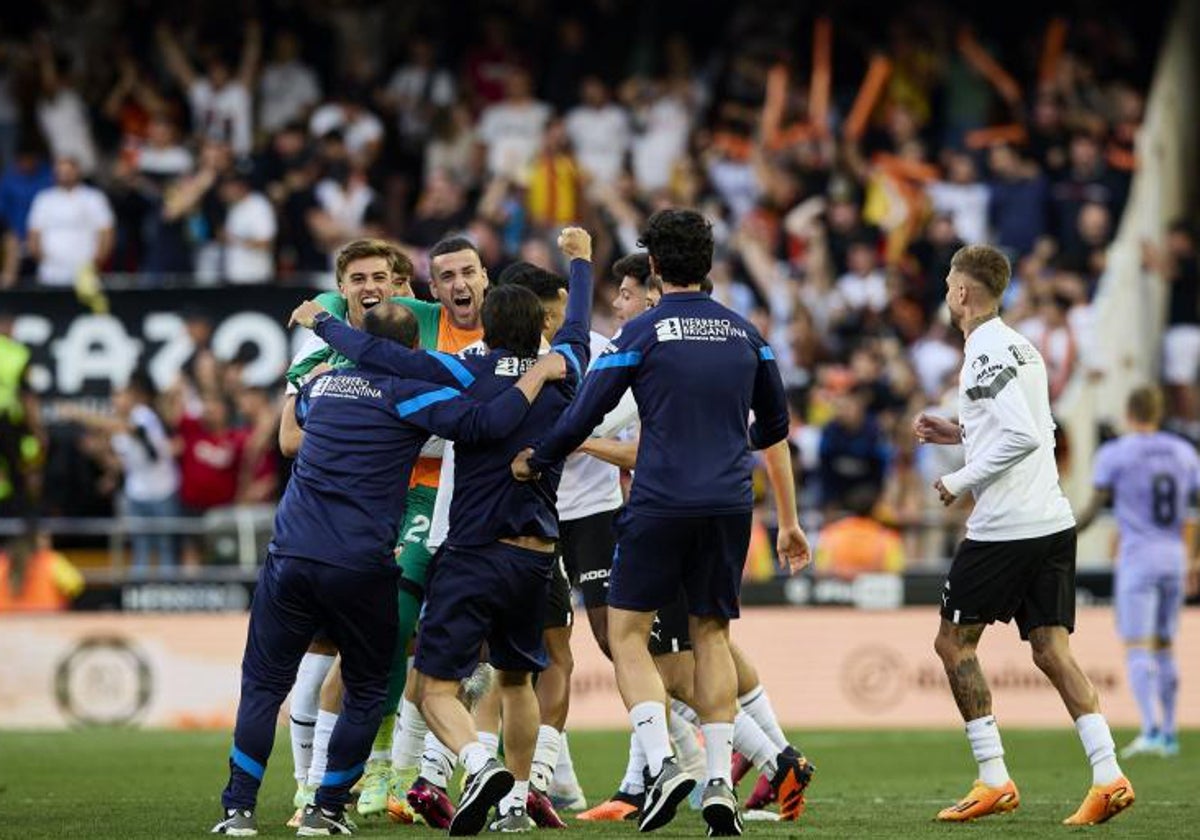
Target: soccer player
459, 280
491, 577
329, 564
1150, 477
1018, 559
697, 370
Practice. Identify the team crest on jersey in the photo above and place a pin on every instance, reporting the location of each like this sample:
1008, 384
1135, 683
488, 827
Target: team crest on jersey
980, 362
513, 366
1023, 353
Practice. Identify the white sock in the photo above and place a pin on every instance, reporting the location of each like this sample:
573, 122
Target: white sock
984, 735
306, 702
516, 797
757, 704
473, 757
1098, 744
683, 710
564, 768
752, 742
410, 740
437, 761
634, 781
545, 757
649, 721
683, 737
718, 748
320, 749
491, 740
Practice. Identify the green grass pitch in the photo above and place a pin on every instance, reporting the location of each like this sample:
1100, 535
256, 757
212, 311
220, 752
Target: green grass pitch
134, 784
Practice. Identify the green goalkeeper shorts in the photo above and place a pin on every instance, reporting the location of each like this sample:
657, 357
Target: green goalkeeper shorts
414, 555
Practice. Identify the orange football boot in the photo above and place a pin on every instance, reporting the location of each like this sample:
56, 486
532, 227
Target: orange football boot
982, 801
1102, 803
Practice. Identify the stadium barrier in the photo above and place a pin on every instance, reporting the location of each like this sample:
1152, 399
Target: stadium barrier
824, 668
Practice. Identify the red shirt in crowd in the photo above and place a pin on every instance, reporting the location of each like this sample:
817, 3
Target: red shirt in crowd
209, 465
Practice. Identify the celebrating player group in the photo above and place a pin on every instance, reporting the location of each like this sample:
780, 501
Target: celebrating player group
457, 473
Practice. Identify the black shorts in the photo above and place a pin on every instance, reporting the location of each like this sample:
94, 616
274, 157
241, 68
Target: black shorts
670, 633
558, 600
1030, 580
587, 546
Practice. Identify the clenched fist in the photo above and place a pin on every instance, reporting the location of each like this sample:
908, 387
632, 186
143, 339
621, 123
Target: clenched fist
575, 243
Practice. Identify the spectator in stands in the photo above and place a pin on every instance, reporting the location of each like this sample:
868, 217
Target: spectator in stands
452, 146
211, 454
857, 544
1050, 332
220, 100
1086, 180
416, 92
37, 578
133, 102
248, 236
662, 119
61, 112
1087, 255
70, 227
259, 414
441, 209
151, 476
1178, 265
349, 116
28, 174
552, 192
491, 62
964, 197
929, 263
861, 294
853, 451
599, 132
1018, 194
288, 88
349, 206
511, 130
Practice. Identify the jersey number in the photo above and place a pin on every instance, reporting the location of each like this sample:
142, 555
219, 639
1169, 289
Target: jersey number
1163, 498
418, 530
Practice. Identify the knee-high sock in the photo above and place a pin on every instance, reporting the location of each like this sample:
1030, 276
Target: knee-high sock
320, 750
757, 704
1143, 682
634, 781
1168, 688
306, 701
406, 749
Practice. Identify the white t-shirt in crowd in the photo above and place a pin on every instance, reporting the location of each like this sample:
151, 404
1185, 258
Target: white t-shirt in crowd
64, 122
251, 218
285, 92
170, 162
512, 134
967, 205
661, 143
359, 132
146, 458
223, 114
69, 222
601, 138
859, 292
412, 85
347, 206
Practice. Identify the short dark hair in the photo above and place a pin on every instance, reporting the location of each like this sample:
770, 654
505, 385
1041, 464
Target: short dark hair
636, 265
1145, 405
141, 383
512, 319
545, 284
451, 245
681, 243
985, 265
392, 321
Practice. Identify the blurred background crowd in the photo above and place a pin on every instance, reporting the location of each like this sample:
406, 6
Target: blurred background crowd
842, 151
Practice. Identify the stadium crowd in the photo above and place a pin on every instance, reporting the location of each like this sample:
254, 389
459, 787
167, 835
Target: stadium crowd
841, 170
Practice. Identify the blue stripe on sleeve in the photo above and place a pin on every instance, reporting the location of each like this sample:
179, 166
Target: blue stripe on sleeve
340, 777
247, 763
415, 404
464, 376
566, 350
302, 408
766, 353
630, 358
